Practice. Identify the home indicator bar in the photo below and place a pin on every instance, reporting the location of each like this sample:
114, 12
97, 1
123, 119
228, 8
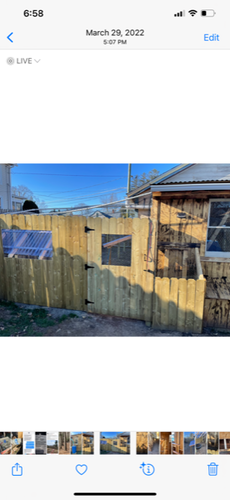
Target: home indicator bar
115, 494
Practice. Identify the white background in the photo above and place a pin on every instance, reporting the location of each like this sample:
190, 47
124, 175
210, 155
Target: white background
153, 106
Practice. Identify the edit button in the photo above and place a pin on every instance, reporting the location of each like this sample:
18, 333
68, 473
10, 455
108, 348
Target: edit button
211, 38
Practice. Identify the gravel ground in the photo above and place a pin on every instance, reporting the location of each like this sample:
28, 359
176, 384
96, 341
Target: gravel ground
33, 321
95, 325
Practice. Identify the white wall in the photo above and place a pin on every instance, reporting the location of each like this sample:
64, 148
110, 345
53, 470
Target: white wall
5, 186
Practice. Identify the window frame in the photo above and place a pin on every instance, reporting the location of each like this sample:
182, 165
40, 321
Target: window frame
27, 252
223, 255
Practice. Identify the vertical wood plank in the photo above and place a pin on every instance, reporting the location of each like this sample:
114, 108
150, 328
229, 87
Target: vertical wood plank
148, 273
164, 232
182, 298
68, 264
97, 260
185, 264
127, 275
142, 274
76, 263
165, 303
24, 266
63, 260
119, 293
135, 306
156, 321
9, 265
166, 263
173, 303
91, 262
48, 276
43, 264
56, 262
83, 261
175, 237
105, 274
113, 273
15, 283
37, 267
30, 265
199, 305
190, 306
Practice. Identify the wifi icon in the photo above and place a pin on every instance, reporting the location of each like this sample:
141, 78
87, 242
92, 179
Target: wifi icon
192, 12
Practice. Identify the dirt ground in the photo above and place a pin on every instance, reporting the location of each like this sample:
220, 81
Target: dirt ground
22, 321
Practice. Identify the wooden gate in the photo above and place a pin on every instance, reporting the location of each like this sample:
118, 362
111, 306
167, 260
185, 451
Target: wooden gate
114, 288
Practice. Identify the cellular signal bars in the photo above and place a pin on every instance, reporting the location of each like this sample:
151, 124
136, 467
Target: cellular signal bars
180, 14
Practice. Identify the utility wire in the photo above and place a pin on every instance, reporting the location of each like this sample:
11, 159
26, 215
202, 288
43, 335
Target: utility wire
72, 190
79, 209
92, 195
65, 175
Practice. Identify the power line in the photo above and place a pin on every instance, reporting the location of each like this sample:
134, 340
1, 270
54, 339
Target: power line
78, 189
79, 209
95, 194
65, 175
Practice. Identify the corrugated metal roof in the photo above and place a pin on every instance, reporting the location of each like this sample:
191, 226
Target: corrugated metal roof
198, 182
29, 244
220, 174
181, 186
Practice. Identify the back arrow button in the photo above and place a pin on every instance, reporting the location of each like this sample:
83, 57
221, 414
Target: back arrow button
8, 37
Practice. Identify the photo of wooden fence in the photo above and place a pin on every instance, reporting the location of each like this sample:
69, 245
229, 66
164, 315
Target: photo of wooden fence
64, 443
115, 443
168, 265
224, 443
73, 277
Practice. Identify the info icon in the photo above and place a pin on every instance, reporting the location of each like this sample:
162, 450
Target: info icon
10, 61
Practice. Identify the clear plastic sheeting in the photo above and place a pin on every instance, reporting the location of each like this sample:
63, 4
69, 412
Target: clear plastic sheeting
27, 244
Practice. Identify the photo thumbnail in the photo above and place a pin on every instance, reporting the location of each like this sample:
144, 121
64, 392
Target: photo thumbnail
115, 443
64, 443
82, 443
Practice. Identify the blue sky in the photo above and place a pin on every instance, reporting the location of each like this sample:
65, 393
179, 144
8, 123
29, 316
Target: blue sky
109, 434
68, 185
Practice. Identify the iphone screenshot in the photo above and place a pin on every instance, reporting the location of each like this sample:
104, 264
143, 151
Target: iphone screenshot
114, 249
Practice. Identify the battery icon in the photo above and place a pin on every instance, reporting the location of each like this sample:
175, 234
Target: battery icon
208, 13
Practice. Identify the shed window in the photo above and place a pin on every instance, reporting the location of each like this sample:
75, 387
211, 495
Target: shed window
218, 236
27, 244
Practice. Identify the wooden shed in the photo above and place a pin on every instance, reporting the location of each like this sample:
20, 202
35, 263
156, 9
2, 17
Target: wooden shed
191, 203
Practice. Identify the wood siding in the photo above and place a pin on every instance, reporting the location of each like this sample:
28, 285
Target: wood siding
172, 228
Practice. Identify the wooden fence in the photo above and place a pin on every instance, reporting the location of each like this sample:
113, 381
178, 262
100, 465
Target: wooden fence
178, 304
59, 282
75, 277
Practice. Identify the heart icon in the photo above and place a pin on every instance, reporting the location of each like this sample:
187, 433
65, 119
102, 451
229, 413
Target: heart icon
81, 469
